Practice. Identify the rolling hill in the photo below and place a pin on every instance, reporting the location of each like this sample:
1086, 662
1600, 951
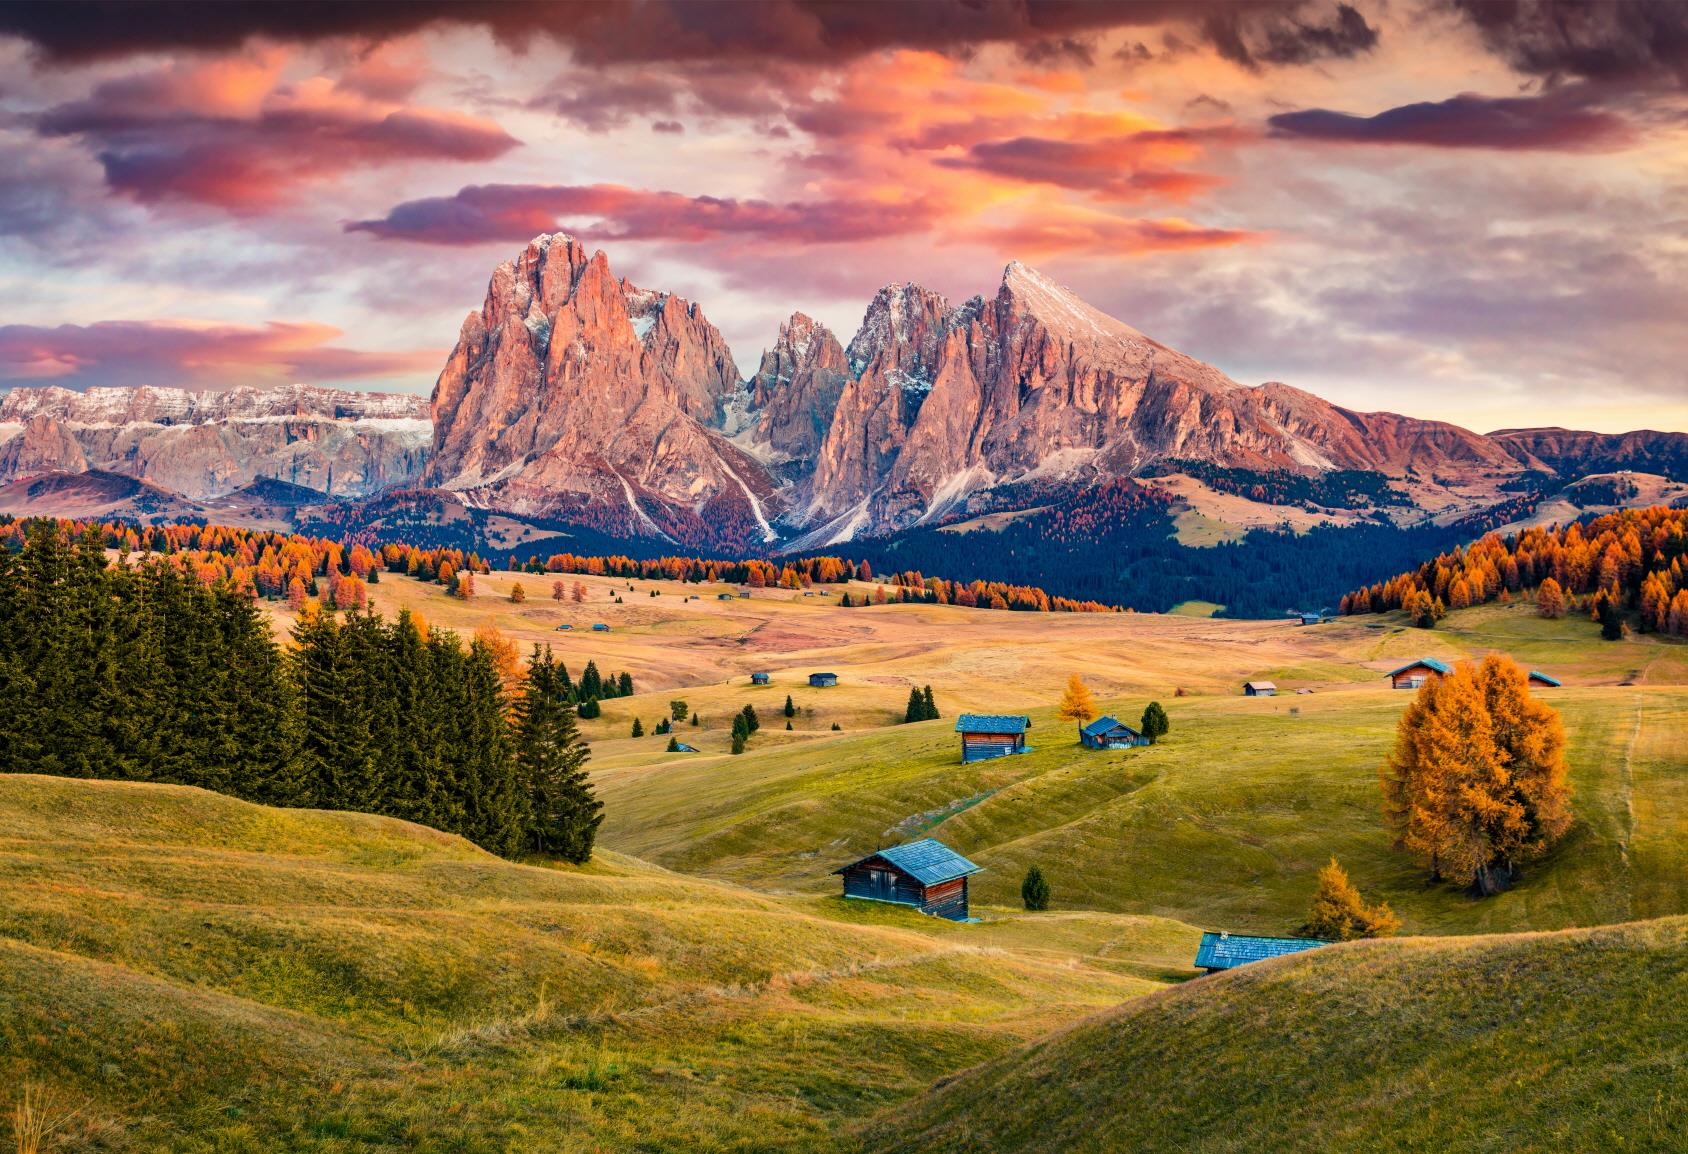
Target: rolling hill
1528, 1043
192, 972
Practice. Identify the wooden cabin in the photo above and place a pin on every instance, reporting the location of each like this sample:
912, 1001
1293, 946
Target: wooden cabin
564, 628
1259, 689
1311, 618
1109, 733
823, 680
1414, 675
682, 747
600, 628
925, 874
987, 735
724, 597
744, 593
1541, 680
759, 679
1222, 951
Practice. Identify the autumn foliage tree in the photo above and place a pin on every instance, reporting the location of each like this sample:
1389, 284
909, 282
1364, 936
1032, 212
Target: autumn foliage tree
1339, 914
1076, 702
1550, 600
1476, 782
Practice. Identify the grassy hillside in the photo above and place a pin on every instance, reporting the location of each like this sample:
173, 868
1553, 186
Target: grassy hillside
1528, 1043
196, 973
1223, 825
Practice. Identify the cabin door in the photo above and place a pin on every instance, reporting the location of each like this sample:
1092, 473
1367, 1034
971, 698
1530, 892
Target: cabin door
882, 884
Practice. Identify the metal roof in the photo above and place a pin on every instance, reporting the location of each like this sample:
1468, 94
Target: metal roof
992, 723
1538, 675
1427, 662
928, 861
1258, 685
1103, 725
1222, 951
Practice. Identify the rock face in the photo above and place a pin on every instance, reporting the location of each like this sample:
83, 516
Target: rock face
795, 391
205, 444
1572, 452
575, 395
1037, 385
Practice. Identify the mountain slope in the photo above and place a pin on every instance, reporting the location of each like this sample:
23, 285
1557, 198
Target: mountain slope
1533, 1042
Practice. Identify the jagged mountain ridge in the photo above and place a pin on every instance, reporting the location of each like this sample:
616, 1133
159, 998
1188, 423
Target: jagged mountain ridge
574, 396
204, 443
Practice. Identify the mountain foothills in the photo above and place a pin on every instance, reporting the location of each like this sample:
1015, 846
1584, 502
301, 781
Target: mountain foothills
580, 403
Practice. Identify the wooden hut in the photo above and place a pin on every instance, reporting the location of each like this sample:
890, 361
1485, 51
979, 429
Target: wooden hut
1222, 951
724, 597
682, 747
600, 628
1108, 733
1542, 681
925, 874
1259, 689
1311, 618
823, 680
987, 735
758, 679
1414, 675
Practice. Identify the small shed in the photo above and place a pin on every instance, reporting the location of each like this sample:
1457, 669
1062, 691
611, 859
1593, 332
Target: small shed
1311, 618
1109, 733
744, 593
600, 628
723, 597
987, 735
823, 680
1414, 675
925, 874
1221, 951
564, 628
1542, 680
682, 747
1259, 689
759, 679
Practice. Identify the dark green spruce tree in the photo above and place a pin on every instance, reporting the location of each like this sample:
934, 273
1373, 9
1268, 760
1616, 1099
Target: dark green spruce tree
563, 815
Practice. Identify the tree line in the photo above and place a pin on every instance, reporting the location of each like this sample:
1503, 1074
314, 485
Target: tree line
142, 671
1634, 561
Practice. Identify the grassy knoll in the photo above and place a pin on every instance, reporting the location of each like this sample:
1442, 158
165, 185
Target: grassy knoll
196, 973
1527, 1043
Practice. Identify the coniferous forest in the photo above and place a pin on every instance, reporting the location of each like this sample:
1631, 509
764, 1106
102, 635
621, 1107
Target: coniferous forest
141, 671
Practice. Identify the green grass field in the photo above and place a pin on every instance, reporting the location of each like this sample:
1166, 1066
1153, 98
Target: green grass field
196, 973
1530, 1044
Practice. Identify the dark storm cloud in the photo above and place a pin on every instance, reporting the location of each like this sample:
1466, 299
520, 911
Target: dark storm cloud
829, 32
516, 212
1621, 41
1558, 121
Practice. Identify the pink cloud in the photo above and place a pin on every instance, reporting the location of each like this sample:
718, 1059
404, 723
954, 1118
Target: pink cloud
195, 355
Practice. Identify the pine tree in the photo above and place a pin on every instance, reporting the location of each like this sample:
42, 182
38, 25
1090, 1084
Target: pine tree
788, 727
673, 745
638, 728
1611, 620
697, 719
1339, 914
751, 722
624, 684
1155, 725
916, 710
930, 704
790, 709
1034, 891
562, 814
1076, 702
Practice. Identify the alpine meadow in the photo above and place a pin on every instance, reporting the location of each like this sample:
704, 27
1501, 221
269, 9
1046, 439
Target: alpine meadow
806, 577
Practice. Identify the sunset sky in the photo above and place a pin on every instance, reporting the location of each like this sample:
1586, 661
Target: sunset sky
1477, 212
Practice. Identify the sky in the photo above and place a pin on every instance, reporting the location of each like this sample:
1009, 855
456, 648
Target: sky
1476, 212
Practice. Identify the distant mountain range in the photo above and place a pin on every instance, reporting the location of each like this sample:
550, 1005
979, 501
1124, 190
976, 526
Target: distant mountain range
575, 398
